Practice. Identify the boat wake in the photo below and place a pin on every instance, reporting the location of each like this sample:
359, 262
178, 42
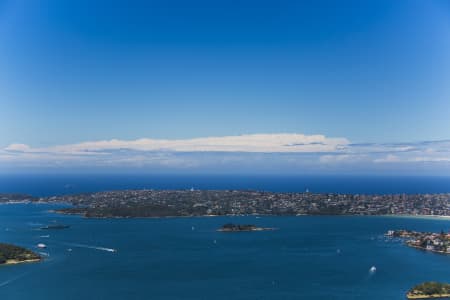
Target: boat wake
4, 283
34, 224
91, 247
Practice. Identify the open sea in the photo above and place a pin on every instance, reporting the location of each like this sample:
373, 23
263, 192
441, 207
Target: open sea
48, 185
308, 257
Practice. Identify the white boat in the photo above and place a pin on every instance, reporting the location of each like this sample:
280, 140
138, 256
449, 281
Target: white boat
41, 245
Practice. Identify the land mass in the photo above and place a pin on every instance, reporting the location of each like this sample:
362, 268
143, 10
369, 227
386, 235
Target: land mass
430, 290
171, 203
11, 254
428, 241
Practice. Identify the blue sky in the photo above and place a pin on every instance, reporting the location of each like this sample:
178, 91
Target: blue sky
372, 72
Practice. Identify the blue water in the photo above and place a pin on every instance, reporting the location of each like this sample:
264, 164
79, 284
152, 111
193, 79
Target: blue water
185, 258
47, 185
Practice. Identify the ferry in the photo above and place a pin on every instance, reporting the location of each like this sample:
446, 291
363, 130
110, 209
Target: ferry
55, 226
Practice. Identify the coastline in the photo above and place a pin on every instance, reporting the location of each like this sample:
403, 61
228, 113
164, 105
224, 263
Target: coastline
426, 250
189, 203
15, 261
83, 215
434, 296
430, 217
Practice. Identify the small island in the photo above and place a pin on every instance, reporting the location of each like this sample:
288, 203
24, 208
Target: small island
11, 254
238, 228
430, 290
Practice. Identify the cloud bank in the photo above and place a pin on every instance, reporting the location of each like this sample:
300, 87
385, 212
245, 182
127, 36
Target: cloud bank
282, 153
265, 143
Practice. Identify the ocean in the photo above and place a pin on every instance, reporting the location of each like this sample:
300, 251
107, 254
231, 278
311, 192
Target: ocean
308, 257
48, 185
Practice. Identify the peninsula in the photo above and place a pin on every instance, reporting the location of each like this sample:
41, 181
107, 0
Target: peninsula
11, 254
428, 241
430, 290
172, 203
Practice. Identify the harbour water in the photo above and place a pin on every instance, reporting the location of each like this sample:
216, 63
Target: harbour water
308, 257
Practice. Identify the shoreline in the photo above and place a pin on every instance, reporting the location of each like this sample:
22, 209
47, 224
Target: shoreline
16, 262
434, 296
181, 203
426, 250
442, 217
56, 211
188, 203
436, 217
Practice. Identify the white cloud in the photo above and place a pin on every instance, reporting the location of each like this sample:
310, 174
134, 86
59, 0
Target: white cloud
390, 158
413, 159
430, 159
277, 152
18, 147
265, 143
342, 158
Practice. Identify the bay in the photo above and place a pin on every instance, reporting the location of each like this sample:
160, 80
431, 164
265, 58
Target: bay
308, 257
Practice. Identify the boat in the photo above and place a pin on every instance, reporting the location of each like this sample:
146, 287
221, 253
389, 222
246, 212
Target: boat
55, 226
41, 245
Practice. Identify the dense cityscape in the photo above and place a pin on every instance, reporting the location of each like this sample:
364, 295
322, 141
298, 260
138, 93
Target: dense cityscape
160, 203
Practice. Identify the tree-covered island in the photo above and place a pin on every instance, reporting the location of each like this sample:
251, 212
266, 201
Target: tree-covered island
11, 254
430, 290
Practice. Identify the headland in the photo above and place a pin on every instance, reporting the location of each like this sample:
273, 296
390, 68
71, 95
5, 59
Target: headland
427, 241
185, 203
12, 254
